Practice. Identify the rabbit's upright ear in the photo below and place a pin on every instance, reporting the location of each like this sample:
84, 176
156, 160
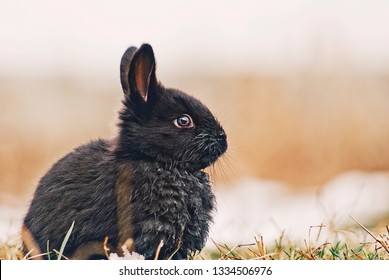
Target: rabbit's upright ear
141, 74
125, 68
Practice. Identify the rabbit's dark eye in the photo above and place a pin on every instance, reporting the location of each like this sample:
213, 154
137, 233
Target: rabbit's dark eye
184, 121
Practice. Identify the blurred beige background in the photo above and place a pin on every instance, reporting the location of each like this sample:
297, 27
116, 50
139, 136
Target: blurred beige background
302, 88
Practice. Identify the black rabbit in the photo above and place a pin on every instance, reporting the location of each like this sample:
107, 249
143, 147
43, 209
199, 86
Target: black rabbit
145, 185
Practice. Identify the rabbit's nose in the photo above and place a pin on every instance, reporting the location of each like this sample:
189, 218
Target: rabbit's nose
222, 140
221, 137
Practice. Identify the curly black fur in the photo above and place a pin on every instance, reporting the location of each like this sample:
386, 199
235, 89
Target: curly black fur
170, 205
146, 184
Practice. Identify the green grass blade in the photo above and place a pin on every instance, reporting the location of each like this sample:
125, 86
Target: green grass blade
48, 250
63, 245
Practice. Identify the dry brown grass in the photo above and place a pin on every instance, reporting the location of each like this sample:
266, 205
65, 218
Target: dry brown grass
281, 249
375, 248
301, 129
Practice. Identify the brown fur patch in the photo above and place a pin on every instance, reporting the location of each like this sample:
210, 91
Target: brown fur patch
87, 250
123, 198
30, 247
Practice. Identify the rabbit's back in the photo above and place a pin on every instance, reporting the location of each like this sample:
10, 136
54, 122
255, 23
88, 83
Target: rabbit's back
81, 188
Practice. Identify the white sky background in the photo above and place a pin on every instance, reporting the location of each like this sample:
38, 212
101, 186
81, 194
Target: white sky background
87, 38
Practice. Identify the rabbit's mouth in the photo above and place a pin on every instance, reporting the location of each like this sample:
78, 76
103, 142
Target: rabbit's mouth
203, 154
214, 150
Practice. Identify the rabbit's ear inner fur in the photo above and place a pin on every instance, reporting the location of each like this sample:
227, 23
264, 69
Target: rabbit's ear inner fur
141, 74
